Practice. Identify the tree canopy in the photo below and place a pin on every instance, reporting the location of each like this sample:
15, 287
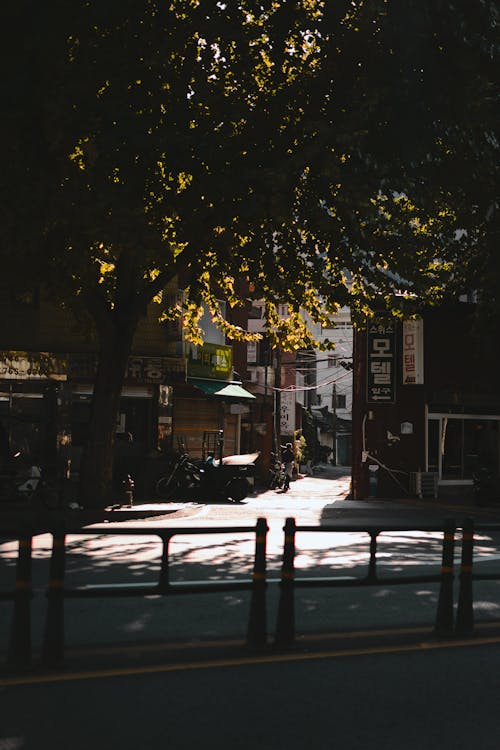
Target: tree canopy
316, 149
310, 153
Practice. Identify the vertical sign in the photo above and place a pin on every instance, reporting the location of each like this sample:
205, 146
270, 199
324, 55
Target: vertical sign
381, 361
287, 415
413, 352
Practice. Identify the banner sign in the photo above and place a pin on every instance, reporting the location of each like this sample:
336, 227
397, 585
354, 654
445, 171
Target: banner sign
209, 361
287, 412
413, 352
381, 360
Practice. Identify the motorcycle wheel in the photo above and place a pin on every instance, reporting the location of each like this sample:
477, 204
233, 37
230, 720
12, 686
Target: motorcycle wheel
237, 490
49, 494
167, 489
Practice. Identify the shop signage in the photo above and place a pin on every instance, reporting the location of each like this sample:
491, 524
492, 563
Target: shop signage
381, 359
156, 370
413, 352
287, 412
32, 366
251, 352
140, 370
209, 361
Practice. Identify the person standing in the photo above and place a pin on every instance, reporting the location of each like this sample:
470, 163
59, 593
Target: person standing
288, 458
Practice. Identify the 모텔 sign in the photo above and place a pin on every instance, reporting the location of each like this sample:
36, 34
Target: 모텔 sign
381, 361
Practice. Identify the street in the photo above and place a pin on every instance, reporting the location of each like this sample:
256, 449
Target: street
106, 558
366, 669
439, 699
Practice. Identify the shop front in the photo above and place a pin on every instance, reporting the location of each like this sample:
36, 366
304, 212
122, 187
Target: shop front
426, 406
33, 397
209, 401
459, 445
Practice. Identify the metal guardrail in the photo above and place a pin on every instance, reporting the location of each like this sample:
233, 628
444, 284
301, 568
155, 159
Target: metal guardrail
465, 609
285, 625
20, 652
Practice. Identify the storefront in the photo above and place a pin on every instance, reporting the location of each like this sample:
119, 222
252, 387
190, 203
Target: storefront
205, 406
33, 395
426, 401
460, 444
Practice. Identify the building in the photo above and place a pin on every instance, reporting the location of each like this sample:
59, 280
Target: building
174, 395
332, 410
426, 405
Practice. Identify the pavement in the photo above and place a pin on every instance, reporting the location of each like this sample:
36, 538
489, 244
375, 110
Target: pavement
102, 628
11, 515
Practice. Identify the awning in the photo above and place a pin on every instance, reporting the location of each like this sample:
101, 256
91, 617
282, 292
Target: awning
221, 389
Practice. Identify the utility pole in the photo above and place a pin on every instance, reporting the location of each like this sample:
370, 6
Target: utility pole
334, 410
277, 402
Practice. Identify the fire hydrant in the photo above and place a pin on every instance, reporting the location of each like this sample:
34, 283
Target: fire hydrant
128, 485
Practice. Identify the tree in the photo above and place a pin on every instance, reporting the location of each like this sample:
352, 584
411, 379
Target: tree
295, 147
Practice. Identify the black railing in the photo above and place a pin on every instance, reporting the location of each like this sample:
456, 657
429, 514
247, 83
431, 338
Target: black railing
465, 610
20, 652
285, 625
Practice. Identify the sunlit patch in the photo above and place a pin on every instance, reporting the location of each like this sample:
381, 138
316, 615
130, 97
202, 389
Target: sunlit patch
139, 624
431, 594
383, 593
233, 601
11, 743
486, 606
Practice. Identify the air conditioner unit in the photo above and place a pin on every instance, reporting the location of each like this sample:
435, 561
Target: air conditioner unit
424, 484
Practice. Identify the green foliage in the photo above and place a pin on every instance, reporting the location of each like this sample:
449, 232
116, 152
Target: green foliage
323, 153
300, 445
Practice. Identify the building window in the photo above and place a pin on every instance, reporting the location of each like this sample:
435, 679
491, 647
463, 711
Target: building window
332, 360
340, 401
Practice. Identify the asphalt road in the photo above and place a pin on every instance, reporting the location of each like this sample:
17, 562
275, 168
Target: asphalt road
366, 671
400, 698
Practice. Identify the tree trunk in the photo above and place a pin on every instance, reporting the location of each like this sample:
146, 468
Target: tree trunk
96, 471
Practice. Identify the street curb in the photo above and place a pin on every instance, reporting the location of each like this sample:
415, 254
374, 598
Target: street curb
466, 510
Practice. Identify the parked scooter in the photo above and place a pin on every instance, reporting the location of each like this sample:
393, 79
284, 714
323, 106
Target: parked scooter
276, 473
225, 479
28, 484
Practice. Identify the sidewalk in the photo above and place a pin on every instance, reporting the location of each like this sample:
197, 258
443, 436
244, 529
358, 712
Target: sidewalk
12, 515
168, 621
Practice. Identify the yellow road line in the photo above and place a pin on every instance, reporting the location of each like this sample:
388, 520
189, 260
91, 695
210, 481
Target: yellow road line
304, 637
245, 661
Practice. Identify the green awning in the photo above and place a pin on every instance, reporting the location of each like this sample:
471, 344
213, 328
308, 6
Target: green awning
234, 391
221, 389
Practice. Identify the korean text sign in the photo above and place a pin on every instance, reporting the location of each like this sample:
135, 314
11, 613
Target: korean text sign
381, 361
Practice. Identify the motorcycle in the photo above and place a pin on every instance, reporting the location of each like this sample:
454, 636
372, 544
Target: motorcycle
276, 473
27, 485
224, 479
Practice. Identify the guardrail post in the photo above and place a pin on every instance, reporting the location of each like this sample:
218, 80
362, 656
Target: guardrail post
163, 582
53, 644
285, 625
257, 627
444, 616
19, 654
465, 613
372, 568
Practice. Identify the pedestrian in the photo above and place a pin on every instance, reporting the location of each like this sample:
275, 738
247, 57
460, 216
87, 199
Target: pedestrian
288, 458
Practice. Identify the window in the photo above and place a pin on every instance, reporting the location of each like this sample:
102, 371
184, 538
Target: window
340, 401
458, 445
